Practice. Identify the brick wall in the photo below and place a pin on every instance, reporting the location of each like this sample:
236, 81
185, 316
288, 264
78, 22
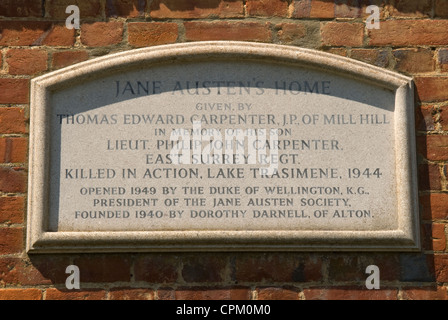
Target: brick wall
412, 39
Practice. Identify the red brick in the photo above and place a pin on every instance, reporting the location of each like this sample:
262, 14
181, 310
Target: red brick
11, 240
349, 8
432, 89
156, 268
21, 8
434, 147
207, 293
435, 206
376, 57
429, 177
23, 33
411, 8
414, 60
88, 8
20, 294
12, 119
313, 9
425, 118
423, 293
342, 34
125, 8
388, 264
131, 294
166, 294
196, 9
83, 294
59, 35
104, 268
284, 293
13, 150
350, 293
270, 8
278, 268
243, 31
409, 33
12, 209
67, 58
441, 9
441, 267
100, 34
290, 32
142, 34
434, 236
444, 117
13, 180
13, 91
26, 61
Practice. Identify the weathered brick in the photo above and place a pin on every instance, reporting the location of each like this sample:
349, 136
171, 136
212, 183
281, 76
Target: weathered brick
104, 268
65, 294
425, 293
156, 268
313, 9
435, 206
204, 269
442, 59
432, 89
131, 294
429, 177
424, 118
125, 8
13, 91
414, 60
376, 57
223, 30
67, 58
12, 180
196, 9
444, 117
441, 267
339, 51
411, 8
26, 61
11, 240
290, 32
433, 147
270, 8
416, 267
387, 263
211, 293
12, 119
142, 34
273, 293
278, 268
100, 34
12, 209
88, 8
342, 34
350, 293
20, 294
434, 236
409, 33
13, 149
345, 268
441, 9
21, 8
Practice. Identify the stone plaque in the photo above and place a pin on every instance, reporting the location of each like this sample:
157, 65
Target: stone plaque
222, 146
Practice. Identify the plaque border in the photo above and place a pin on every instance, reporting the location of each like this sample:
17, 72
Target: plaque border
39, 240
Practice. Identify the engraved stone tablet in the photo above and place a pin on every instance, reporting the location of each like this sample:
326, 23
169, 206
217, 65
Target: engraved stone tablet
222, 146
